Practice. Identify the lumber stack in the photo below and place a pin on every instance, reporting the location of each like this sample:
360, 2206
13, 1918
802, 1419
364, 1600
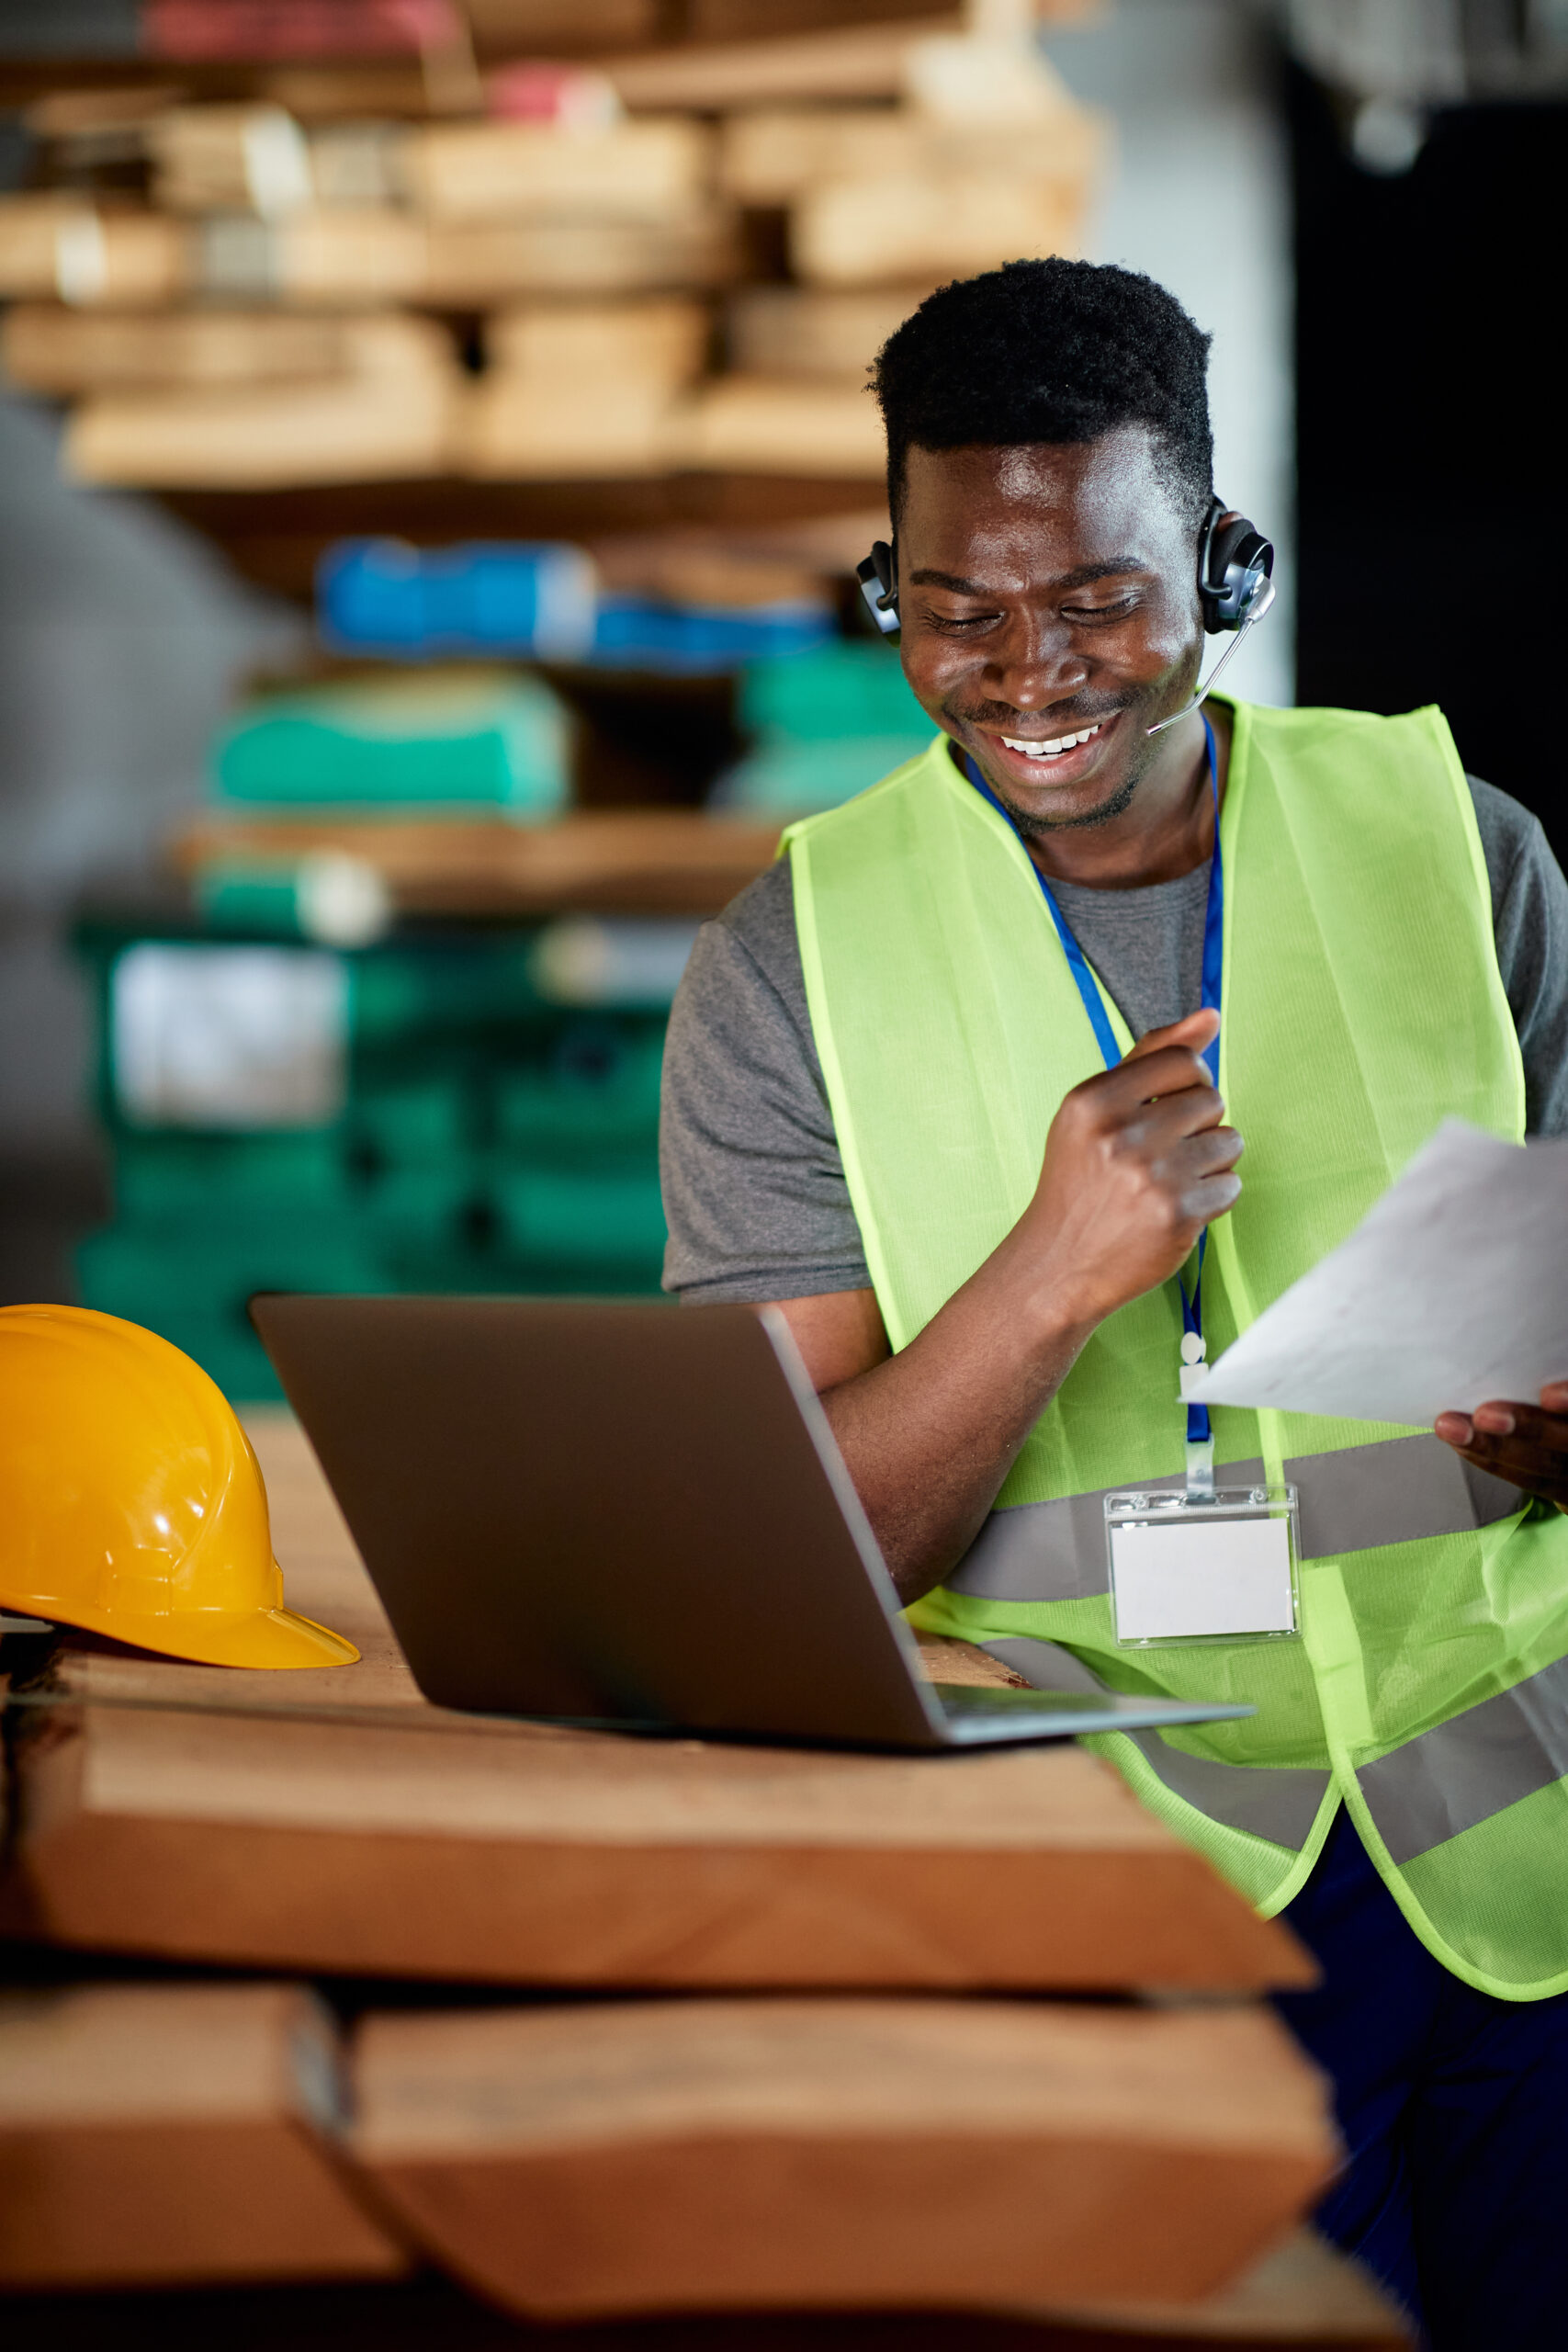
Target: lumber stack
236, 294
155, 2135
859, 2112
330, 1820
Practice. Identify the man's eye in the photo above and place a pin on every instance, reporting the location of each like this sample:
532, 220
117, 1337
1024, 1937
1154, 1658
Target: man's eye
1117, 610
958, 621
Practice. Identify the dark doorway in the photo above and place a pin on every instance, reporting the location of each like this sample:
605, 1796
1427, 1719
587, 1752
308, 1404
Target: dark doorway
1433, 490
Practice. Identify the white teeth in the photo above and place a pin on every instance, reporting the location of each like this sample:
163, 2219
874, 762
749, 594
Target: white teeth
1051, 751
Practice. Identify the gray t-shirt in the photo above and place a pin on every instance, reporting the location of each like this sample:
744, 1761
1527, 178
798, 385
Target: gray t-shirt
754, 1186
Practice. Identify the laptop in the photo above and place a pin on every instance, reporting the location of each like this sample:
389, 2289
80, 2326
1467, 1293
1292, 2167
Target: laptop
631, 1514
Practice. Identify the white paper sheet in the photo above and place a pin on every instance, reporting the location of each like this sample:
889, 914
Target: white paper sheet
1453, 1289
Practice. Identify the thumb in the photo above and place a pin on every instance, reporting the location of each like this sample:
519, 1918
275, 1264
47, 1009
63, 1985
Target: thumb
1195, 1031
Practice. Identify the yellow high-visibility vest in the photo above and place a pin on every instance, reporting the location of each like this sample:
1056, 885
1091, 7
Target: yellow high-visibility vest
1361, 1005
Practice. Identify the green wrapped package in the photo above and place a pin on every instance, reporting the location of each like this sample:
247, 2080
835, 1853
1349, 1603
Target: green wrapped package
597, 1092
584, 1219
230, 1180
191, 1284
478, 738
824, 726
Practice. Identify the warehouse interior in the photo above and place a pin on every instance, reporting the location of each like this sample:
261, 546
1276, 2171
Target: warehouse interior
135, 618
435, 456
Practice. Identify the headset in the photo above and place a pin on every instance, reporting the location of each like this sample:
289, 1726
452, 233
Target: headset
1236, 587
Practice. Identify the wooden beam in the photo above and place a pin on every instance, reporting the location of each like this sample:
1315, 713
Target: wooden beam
857, 61
174, 2133
521, 1854
597, 861
333, 1820
276, 537
755, 2154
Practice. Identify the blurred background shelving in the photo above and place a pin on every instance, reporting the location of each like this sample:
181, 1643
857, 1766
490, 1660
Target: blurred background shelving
433, 452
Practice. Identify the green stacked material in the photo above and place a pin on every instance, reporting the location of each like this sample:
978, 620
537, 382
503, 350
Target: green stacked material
487, 1141
825, 726
574, 1183
440, 992
190, 1282
170, 1176
607, 1228
423, 1122
597, 1090
421, 1218
484, 739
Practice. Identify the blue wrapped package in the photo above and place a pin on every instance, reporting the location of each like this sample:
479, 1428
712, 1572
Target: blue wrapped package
534, 599
634, 632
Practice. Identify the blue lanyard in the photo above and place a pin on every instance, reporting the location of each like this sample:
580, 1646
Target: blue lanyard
1198, 1429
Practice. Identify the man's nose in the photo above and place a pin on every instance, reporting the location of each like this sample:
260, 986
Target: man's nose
1036, 664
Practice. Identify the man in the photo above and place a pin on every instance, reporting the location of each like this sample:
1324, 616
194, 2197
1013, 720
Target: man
896, 1105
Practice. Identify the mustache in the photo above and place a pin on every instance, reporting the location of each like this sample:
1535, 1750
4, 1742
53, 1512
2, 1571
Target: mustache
1063, 718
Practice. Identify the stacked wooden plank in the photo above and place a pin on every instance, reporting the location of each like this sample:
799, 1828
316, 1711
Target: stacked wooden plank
155, 2135
867, 2105
830, 178
251, 219
984, 158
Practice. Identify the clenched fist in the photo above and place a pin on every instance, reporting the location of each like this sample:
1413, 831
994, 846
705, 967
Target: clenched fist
1137, 1162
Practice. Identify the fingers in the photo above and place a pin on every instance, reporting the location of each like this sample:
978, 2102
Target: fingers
1554, 1396
1194, 1030
1522, 1444
1157, 1126
1213, 1152
1529, 1474
1202, 1204
1193, 1173
1201, 1169
1503, 1418
1175, 1070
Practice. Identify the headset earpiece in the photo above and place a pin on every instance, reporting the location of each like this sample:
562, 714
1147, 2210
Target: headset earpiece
877, 576
1234, 561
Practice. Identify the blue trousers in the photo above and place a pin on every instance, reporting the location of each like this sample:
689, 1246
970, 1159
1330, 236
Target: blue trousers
1453, 2108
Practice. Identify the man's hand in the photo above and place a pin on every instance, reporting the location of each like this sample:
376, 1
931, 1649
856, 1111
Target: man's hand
1526, 1444
1137, 1162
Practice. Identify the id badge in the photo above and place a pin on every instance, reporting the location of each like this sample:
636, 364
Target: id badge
1189, 1571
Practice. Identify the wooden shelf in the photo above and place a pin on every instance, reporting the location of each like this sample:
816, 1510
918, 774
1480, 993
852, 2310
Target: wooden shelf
645, 861
276, 538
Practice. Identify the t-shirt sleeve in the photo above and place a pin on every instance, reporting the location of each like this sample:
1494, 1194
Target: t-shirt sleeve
1529, 922
755, 1191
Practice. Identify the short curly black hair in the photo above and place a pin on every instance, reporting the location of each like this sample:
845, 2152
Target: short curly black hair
1049, 350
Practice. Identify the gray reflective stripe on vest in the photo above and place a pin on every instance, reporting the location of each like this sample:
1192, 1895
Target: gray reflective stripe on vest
1056, 1551
1351, 1500
1277, 1801
1409, 1486
1477, 1764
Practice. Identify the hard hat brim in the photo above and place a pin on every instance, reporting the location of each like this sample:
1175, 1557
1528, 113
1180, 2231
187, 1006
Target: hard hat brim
272, 1639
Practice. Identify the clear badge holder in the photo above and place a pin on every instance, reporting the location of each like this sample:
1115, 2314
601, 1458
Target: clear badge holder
1203, 1563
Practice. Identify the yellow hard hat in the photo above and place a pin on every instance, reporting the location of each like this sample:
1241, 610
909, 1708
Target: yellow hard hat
131, 1501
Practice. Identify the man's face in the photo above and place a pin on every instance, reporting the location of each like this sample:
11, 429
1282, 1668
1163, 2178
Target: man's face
1043, 592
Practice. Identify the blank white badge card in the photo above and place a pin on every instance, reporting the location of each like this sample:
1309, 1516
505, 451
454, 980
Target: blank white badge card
1193, 1577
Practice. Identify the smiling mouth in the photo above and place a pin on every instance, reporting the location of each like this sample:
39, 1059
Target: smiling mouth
1056, 747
